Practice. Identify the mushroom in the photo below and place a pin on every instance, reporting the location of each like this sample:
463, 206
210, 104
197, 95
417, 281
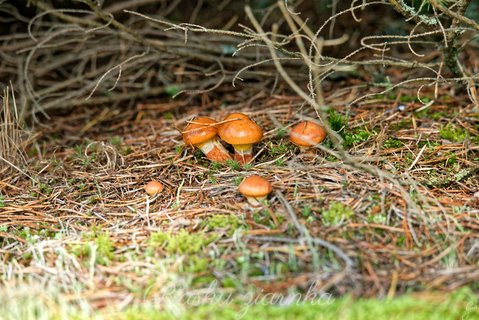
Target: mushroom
153, 187
202, 133
241, 132
255, 189
306, 134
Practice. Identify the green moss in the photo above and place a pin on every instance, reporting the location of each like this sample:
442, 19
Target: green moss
306, 211
45, 188
451, 159
180, 243
400, 125
168, 115
247, 166
336, 213
237, 180
430, 144
406, 98
459, 305
178, 149
223, 221
215, 166
24, 233
203, 281
276, 150
337, 122
377, 218
116, 141
423, 114
31, 235
2, 202
231, 282
196, 265
233, 164
198, 154
85, 160
279, 162
172, 90
355, 137
104, 248
438, 115
392, 143
97, 243
263, 217
78, 184
331, 158
281, 133
453, 133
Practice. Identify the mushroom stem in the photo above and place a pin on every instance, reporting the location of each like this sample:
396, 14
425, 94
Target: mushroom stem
256, 201
243, 153
306, 150
214, 150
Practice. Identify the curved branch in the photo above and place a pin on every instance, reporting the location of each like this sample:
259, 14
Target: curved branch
456, 15
411, 13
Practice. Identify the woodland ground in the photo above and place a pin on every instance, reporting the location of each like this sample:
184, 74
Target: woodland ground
379, 221
83, 236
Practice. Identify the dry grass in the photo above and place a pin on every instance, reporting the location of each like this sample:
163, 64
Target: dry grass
11, 135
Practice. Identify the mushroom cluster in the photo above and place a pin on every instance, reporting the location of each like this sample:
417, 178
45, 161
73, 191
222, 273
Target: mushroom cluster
236, 129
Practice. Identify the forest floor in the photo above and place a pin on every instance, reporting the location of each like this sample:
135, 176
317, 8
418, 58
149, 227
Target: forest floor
77, 229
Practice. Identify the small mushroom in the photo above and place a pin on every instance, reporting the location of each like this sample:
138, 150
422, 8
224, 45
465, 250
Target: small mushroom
241, 132
306, 134
202, 133
154, 187
255, 189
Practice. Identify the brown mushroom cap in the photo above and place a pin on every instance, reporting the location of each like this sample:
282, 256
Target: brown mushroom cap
307, 133
200, 130
237, 115
153, 187
255, 186
241, 131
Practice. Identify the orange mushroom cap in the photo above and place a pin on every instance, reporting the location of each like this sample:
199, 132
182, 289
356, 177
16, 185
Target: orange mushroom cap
237, 115
153, 187
307, 133
200, 130
255, 186
240, 131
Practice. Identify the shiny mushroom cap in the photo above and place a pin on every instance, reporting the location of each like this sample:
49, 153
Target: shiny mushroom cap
243, 130
200, 130
153, 187
307, 133
237, 115
255, 187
